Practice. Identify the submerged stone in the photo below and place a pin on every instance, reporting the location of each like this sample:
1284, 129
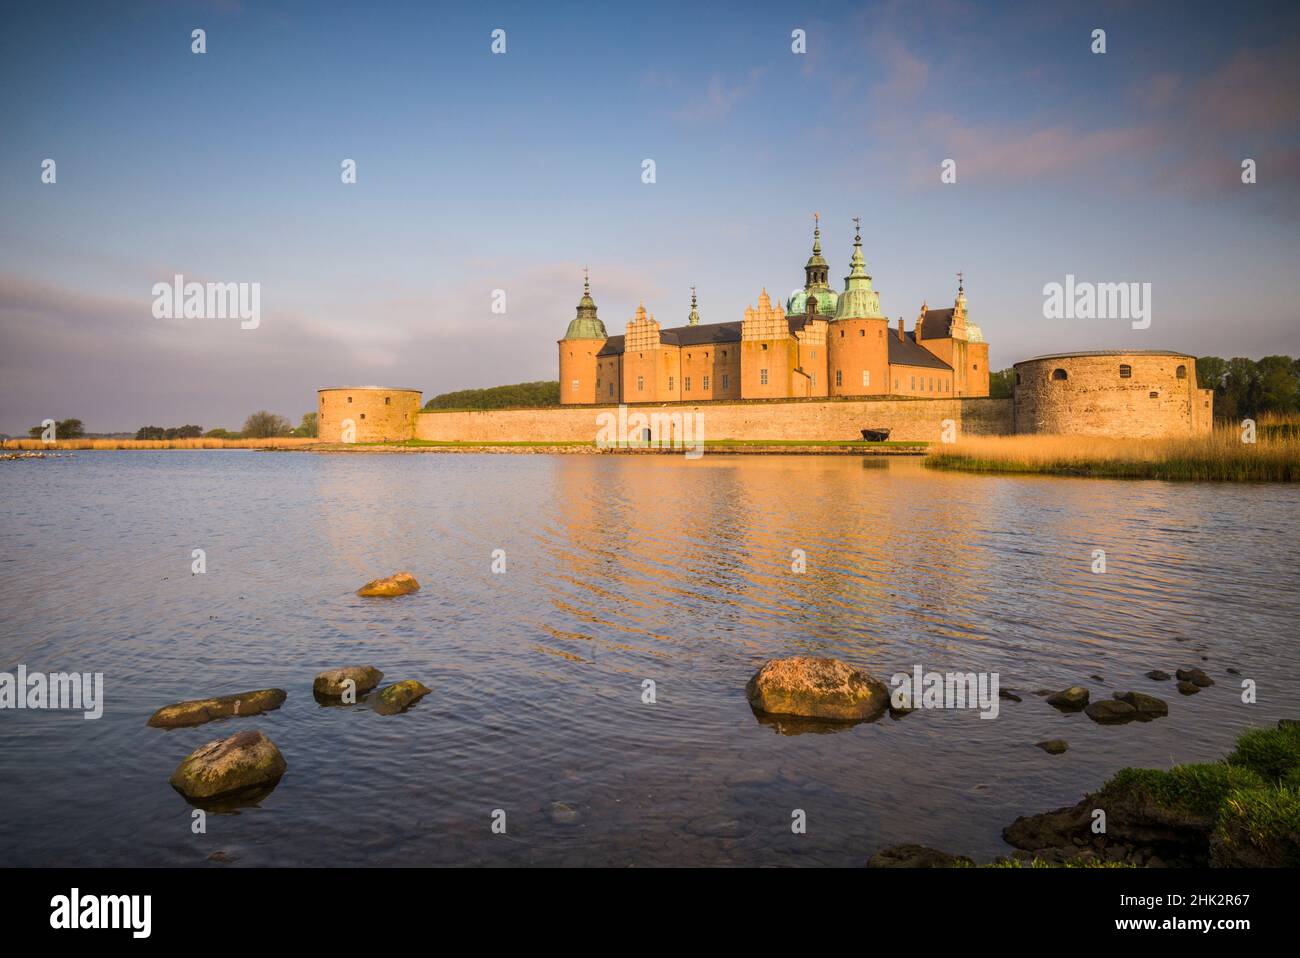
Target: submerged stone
1188, 688
1146, 705
199, 711
397, 697
332, 683
244, 761
821, 688
1159, 676
1195, 676
1053, 746
915, 856
399, 583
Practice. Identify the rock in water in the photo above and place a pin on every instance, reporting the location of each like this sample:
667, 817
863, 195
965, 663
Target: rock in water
1188, 688
1053, 746
1159, 676
915, 856
397, 697
1075, 697
1146, 705
817, 688
399, 583
247, 760
332, 683
1195, 676
198, 711
562, 813
1110, 711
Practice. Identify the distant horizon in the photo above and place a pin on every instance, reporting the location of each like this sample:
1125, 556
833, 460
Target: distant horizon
480, 173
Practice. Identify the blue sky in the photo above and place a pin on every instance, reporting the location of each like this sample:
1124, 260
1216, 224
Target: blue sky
479, 172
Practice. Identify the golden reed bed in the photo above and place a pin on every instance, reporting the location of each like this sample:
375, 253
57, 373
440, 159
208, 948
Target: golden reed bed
63, 444
1221, 455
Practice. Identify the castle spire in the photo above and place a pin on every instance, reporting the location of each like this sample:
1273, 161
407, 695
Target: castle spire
694, 318
859, 300
586, 324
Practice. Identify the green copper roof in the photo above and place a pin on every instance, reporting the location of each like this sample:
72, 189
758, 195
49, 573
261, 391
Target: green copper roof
816, 258
815, 271
586, 324
694, 318
859, 300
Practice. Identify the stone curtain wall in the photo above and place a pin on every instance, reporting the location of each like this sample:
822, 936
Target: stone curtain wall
375, 419
1094, 400
908, 419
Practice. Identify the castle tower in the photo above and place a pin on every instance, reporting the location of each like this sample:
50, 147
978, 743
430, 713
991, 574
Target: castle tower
816, 281
858, 338
582, 341
694, 318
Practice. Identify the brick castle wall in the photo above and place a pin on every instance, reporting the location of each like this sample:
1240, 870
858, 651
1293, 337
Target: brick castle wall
919, 419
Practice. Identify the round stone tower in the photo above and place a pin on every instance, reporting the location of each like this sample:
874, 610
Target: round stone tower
582, 341
1139, 394
857, 347
366, 413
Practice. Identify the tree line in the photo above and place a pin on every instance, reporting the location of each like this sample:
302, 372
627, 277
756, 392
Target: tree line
520, 395
260, 425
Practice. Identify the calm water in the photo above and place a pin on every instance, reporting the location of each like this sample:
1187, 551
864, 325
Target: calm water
620, 569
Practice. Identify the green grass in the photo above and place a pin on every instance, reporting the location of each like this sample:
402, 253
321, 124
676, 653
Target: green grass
1264, 820
708, 443
1193, 789
1271, 753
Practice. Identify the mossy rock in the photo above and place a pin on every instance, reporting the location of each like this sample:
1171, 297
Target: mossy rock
397, 697
818, 688
332, 683
400, 583
1110, 711
1273, 753
916, 856
243, 762
1148, 706
199, 711
1071, 700
1258, 828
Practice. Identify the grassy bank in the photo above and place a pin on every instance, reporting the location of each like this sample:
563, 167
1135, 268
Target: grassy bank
1221, 455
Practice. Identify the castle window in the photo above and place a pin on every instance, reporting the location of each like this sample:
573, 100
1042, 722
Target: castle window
1059, 374
363, 415
1017, 379
573, 386
866, 377
686, 383
670, 383
1155, 395
841, 334
1181, 372
611, 389
640, 383
706, 383
913, 384
895, 384
726, 381
839, 377
762, 375
862, 332
812, 377
975, 366
765, 347
388, 401
1125, 372
724, 354
349, 399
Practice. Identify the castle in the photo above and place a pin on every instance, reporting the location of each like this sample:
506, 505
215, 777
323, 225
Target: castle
834, 360
823, 344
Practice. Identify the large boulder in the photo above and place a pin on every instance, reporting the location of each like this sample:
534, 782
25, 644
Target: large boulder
1148, 706
1071, 699
1111, 711
247, 761
332, 683
198, 711
397, 697
400, 583
817, 688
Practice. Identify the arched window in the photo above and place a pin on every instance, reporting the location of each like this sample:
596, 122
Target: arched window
1182, 372
1059, 374
1017, 379
1125, 371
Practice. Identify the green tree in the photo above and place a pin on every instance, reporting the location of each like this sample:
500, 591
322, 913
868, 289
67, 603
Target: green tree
1278, 387
63, 429
1002, 384
266, 425
1210, 371
1241, 389
309, 426
518, 396
150, 432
